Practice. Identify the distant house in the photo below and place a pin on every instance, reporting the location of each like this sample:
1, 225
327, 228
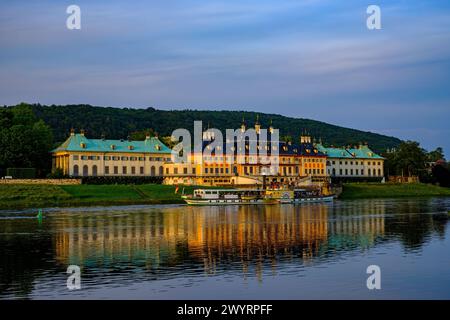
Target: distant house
359, 163
81, 156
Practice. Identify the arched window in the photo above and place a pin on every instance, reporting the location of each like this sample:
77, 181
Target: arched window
334, 171
85, 171
379, 172
94, 170
153, 171
75, 170
161, 171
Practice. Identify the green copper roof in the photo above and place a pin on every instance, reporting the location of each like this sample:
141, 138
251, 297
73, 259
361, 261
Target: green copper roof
363, 152
79, 142
334, 152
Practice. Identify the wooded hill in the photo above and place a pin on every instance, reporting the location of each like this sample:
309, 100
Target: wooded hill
117, 123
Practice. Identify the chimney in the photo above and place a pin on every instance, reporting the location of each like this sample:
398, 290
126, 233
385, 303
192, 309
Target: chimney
82, 132
147, 136
72, 132
129, 138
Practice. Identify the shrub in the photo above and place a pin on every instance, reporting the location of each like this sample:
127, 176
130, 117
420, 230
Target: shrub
21, 173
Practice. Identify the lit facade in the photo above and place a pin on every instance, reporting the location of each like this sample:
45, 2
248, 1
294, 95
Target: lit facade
353, 163
297, 162
81, 156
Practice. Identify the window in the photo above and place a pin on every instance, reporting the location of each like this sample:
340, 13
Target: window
346, 172
84, 157
124, 170
340, 172
75, 170
141, 159
124, 158
351, 172
193, 170
133, 158
185, 171
116, 158
175, 170
106, 169
85, 171
75, 157
141, 170
133, 170
379, 172
116, 170
107, 158
167, 170
206, 170
161, 170
94, 170
153, 171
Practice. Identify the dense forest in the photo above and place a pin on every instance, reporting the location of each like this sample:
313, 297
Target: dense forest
117, 123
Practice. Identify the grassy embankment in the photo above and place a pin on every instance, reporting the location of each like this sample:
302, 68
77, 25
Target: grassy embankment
34, 196
390, 190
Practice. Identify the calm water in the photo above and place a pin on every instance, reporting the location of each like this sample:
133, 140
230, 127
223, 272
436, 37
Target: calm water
250, 252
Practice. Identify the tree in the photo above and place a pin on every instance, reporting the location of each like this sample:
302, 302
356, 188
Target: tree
407, 160
25, 141
436, 155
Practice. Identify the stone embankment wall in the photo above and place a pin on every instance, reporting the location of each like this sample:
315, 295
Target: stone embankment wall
41, 181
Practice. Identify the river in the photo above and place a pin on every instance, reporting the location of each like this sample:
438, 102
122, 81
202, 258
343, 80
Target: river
316, 251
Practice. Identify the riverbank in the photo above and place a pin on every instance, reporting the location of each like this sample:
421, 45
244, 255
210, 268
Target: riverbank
36, 196
391, 190
39, 196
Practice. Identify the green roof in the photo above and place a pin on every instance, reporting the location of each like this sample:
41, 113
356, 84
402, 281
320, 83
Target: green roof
78, 142
363, 152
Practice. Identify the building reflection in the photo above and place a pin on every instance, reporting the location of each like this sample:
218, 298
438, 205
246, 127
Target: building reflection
247, 237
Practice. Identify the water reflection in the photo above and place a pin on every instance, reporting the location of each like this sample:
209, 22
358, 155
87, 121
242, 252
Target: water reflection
170, 242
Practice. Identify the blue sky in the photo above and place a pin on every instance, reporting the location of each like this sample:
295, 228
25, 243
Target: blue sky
303, 58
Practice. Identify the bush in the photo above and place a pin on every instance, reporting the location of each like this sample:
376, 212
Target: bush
121, 180
21, 173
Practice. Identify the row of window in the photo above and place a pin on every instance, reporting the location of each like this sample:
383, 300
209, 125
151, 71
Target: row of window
117, 158
357, 172
86, 171
314, 171
357, 163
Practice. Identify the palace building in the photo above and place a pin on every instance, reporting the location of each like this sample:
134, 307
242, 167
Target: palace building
81, 156
358, 163
297, 163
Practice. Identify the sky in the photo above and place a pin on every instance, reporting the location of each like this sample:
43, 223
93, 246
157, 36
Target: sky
302, 58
